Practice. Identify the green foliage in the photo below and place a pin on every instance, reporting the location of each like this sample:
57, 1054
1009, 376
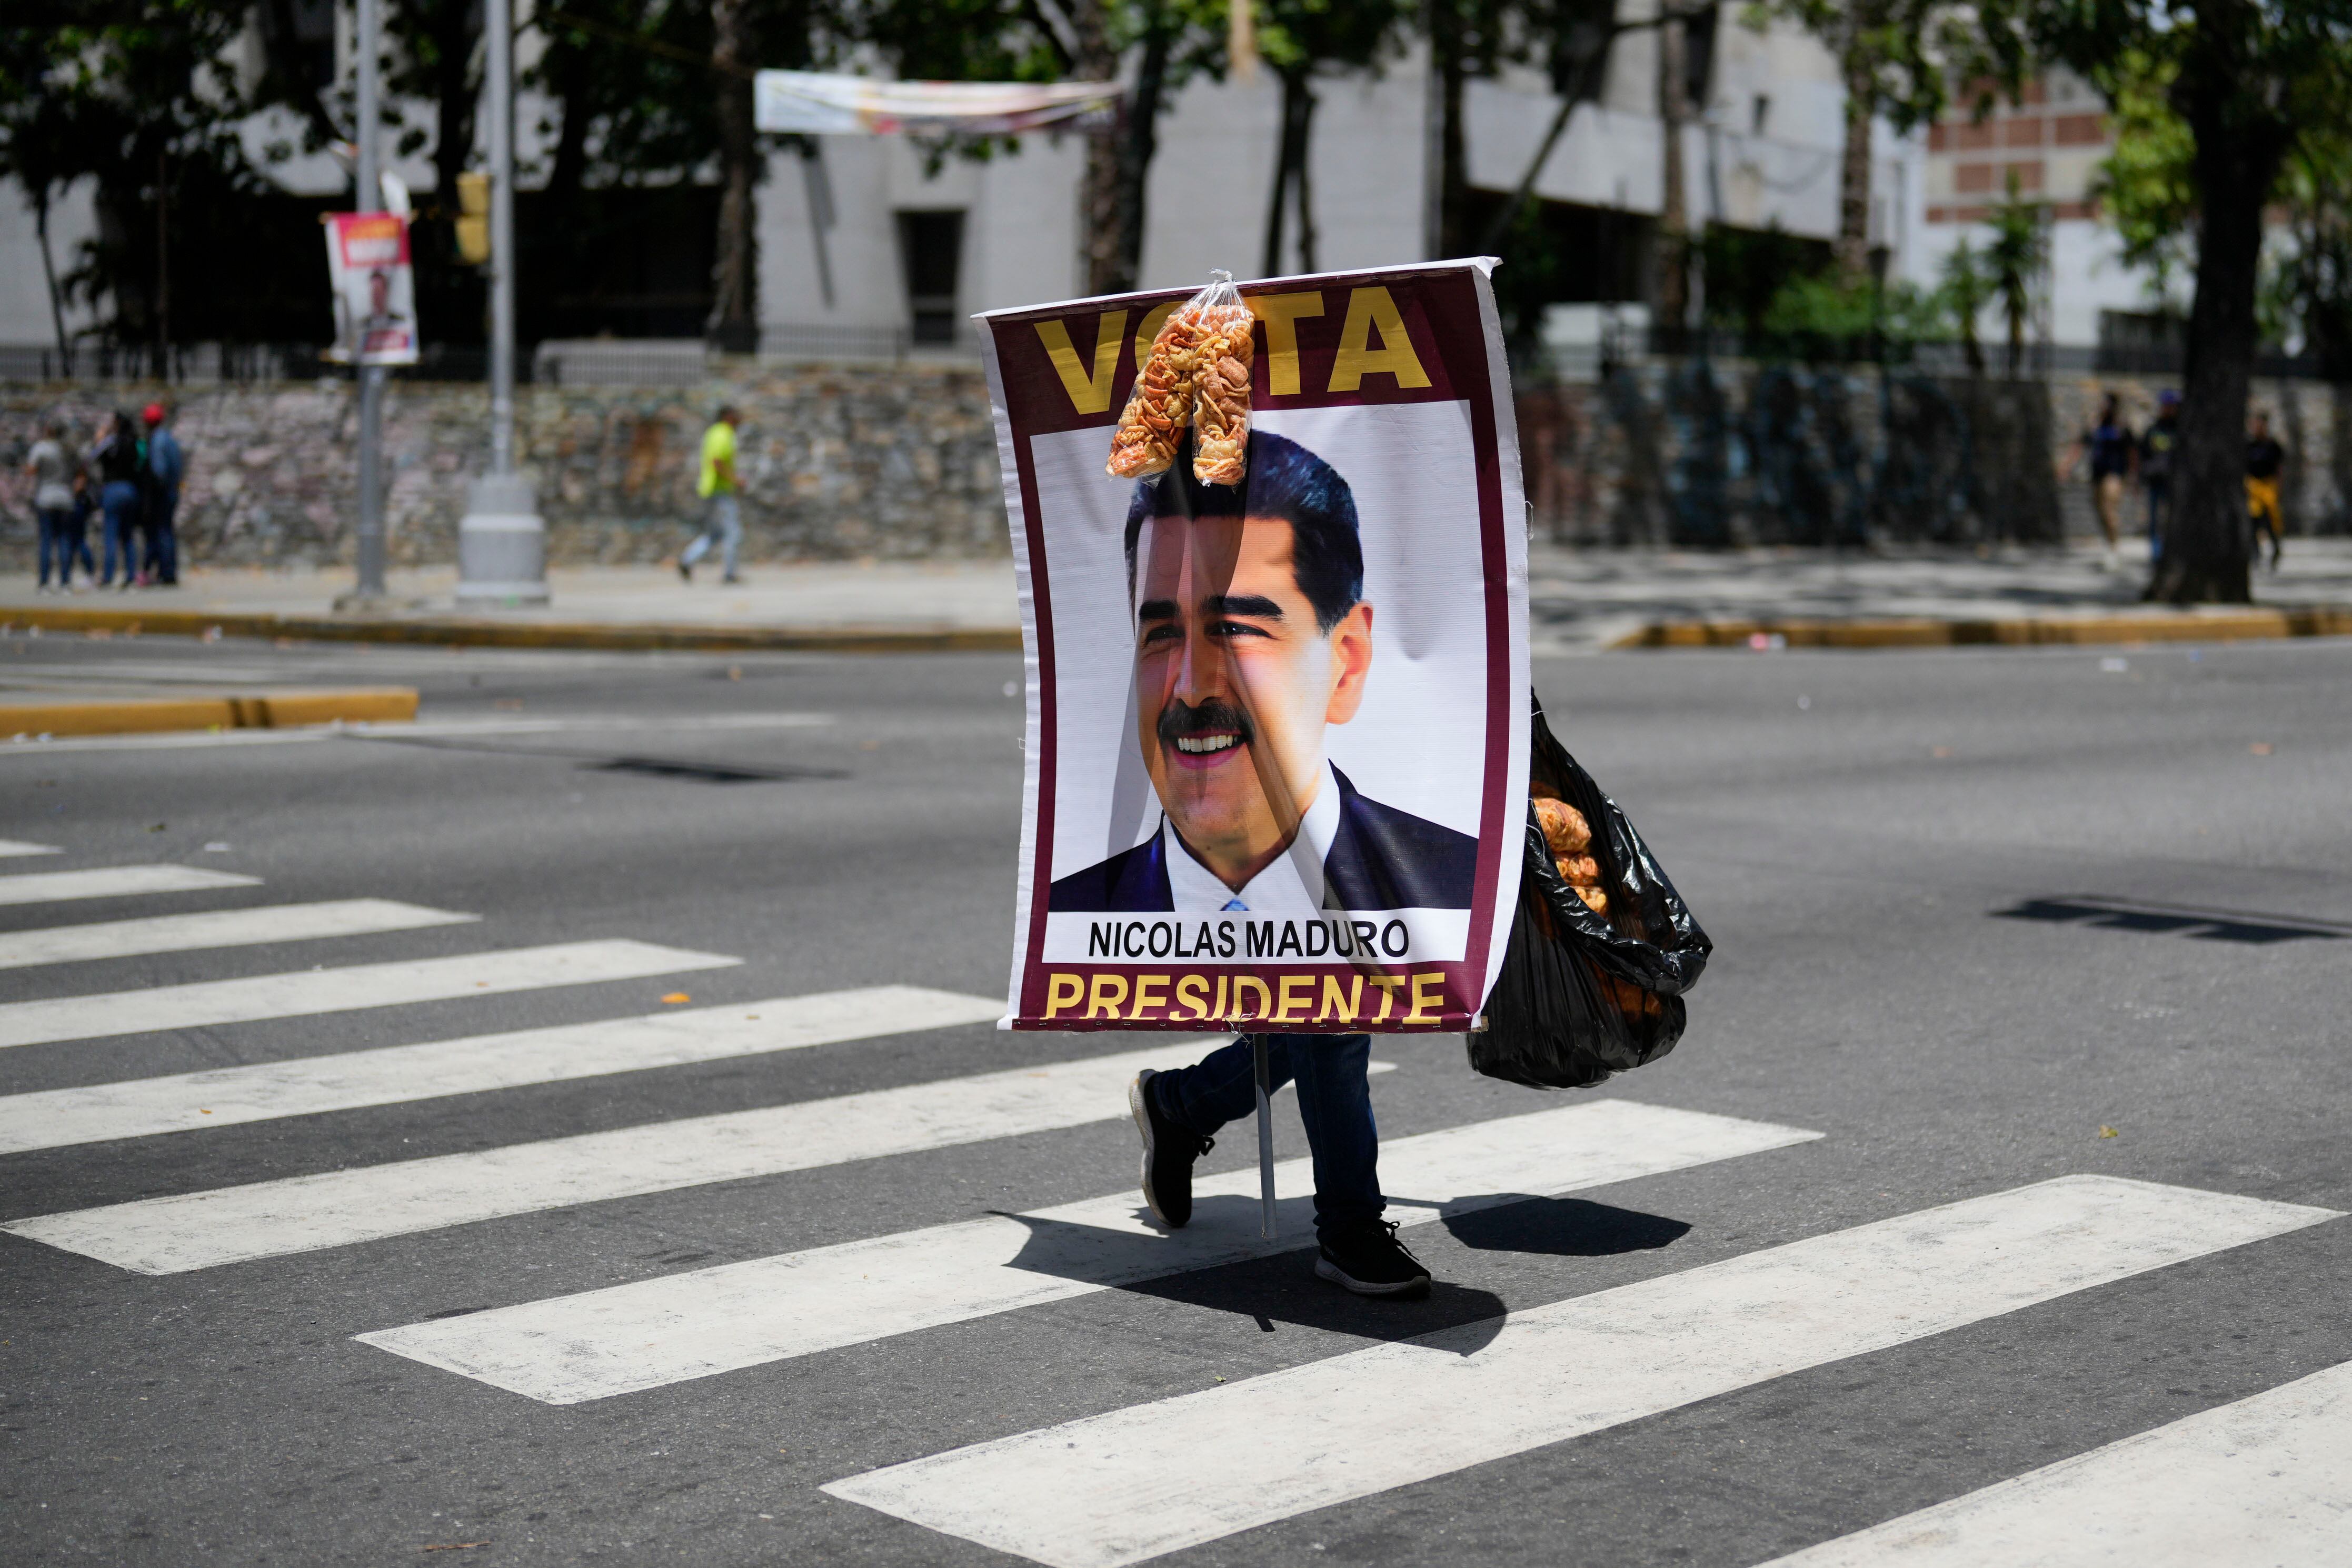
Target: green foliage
2148, 187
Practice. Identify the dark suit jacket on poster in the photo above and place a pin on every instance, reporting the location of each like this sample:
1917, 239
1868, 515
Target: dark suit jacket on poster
1380, 858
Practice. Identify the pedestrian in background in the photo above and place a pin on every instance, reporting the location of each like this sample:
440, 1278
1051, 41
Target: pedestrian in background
723, 517
115, 459
2108, 444
2155, 450
2264, 458
165, 466
51, 469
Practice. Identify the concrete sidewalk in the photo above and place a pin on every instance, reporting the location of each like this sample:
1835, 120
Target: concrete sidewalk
1580, 601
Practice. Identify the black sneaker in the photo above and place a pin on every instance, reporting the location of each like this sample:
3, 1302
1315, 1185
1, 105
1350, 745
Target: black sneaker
685, 572
1169, 1152
1369, 1260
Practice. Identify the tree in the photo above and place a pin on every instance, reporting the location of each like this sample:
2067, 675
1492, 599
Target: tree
1299, 39
1893, 58
2252, 82
143, 105
2015, 261
1963, 290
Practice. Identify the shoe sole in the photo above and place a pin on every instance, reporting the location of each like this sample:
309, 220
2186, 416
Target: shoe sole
1326, 1269
1143, 1126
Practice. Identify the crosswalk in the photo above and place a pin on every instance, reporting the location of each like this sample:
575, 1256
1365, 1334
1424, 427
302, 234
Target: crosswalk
2266, 1479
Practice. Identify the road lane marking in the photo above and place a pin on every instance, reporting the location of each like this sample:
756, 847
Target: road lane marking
115, 882
2264, 1480
656, 1332
10, 848
391, 1075
337, 1208
217, 928
306, 992
1132, 1484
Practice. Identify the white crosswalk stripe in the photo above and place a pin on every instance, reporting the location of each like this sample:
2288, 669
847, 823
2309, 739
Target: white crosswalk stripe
308, 992
115, 882
2262, 1482
13, 847
655, 1331
303, 1214
217, 928
1133, 1484
389, 1075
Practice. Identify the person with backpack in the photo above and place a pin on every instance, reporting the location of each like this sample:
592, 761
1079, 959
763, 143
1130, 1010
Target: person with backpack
117, 460
165, 466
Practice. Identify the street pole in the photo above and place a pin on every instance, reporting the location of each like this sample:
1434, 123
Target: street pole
501, 543
1259, 1054
369, 198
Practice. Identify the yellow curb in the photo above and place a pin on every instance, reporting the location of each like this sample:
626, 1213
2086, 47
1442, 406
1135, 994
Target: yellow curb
267, 710
461, 632
1920, 631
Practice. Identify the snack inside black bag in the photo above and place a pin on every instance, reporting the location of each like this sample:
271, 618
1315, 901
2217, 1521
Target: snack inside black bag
1586, 992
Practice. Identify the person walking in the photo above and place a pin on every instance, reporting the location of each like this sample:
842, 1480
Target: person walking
51, 469
1178, 1111
166, 466
115, 460
2109, 446
2264, 458
2155, 449
722, 516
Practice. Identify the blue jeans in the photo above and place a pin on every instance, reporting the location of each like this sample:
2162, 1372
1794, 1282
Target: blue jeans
120, 500
163, 562
1335, 1100
58, 536
723, 524
2160, 513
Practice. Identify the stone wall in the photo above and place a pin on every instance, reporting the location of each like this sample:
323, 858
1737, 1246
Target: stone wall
839, 463
898, 462
1700, 454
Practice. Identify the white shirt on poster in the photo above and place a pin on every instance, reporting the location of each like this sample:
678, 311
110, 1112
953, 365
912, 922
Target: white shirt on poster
1291, 884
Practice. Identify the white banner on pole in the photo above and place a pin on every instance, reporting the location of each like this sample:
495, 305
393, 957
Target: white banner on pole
375, 291
815, 103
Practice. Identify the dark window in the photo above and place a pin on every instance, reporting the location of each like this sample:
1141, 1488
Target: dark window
930, 248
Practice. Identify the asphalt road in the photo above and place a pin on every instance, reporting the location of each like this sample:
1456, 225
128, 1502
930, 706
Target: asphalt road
1983, 920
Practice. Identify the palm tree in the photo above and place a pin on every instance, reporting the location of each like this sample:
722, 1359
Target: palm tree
2017, 257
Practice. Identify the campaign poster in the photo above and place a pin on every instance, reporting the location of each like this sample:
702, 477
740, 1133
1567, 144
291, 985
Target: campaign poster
374, 290
1277, 731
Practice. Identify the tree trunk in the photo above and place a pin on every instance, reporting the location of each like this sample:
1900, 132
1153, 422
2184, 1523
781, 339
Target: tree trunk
735, 305
49, 275
1301, 173
1853, 247
1452, 151
1100, 199
1290, 176
2206, 544
1137, 149
1674, 215
458, 90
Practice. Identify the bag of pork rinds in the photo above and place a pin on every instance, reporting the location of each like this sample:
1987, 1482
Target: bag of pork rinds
1601, 947
1197, 374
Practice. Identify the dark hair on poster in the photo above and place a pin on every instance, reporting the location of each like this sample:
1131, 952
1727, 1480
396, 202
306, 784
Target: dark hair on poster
1284, 481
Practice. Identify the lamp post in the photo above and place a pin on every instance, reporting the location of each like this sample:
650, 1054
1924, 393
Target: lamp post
501, 543
368, 593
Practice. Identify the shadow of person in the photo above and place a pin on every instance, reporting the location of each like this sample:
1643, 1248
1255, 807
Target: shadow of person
1559, 1227
1221, 1262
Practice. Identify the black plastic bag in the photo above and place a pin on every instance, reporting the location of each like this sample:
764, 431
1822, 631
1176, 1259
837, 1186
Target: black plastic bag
1582, 995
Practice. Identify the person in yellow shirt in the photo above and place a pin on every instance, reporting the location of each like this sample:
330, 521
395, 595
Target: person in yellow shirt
723, 517
2264, 458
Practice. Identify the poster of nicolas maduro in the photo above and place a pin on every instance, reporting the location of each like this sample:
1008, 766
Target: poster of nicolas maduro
1272, 559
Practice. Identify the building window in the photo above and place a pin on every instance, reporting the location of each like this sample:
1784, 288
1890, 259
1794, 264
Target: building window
930, 249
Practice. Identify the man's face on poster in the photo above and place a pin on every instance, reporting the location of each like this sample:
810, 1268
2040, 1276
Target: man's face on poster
1235, 683
378, 294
